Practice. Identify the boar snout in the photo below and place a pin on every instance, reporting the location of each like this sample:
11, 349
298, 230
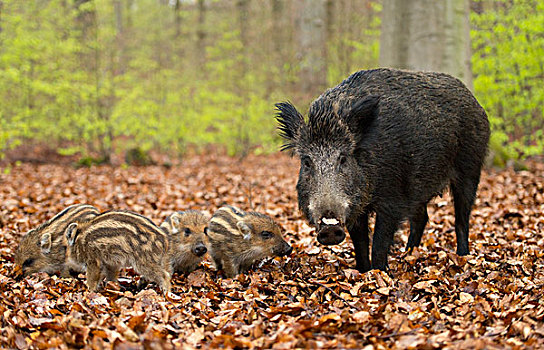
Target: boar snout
199, 249
331, 235
285, 249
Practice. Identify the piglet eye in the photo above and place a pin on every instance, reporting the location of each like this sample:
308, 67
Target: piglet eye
266, 234
187, 231
28, 262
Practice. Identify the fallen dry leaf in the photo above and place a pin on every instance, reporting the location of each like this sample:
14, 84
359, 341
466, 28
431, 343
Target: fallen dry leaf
431, 298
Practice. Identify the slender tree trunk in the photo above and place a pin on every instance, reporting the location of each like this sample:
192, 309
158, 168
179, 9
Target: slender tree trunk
86, 22
329, 31
312, 41
177, 19
119, 37
427, 35
118, 9
458, 51
243, 17
276, 45
128, 11
277, 16
201, 35
176, 42
1, 13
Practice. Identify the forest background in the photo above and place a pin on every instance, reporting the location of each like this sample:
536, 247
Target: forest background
95, 78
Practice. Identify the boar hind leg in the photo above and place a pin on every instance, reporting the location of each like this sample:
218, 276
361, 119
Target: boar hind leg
359, 235
163, 281
111, 273
93, 276
464, 193
417, 225
384, 230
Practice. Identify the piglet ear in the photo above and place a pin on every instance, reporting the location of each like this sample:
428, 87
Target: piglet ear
362, 113
245, 229
289, 123
175, 222
70, 233
45, 243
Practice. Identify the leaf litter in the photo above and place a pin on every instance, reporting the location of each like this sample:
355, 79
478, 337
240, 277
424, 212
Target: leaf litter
431, 298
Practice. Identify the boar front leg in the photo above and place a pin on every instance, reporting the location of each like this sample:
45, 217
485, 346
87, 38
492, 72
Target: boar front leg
359, 235
384, 230
93, 276
230, 268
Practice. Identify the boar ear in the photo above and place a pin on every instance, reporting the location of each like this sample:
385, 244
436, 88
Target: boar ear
174, 221
245, 229
290, 121
362, 113
45, 243
70, 233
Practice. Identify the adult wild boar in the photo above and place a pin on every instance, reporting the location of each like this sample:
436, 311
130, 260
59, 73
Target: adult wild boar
386, 141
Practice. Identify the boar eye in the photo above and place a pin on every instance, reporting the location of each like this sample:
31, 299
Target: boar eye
306, 162
187, 231
266, 234
28, 262
343, 160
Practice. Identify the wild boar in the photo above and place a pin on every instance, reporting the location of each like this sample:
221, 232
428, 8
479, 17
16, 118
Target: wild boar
117, 239
386, 141
42, 249
187, 232
238, 239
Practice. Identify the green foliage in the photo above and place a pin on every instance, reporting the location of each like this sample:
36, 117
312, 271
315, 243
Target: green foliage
508, 65
138, 157
90, 78
88, 161
350, 53
100, 76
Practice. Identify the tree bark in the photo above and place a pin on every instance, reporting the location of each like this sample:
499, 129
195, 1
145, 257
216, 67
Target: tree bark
177, 19
312, 44
1, 13
243, 137
119, 37
201, 35
427, 35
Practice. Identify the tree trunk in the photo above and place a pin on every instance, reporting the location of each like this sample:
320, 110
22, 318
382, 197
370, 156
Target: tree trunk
201, 35
329, 31
119, 37
243, 137
177, 19
276, 45
128, 14
457, 50
312, 44
427, 35
1, 13
118, 9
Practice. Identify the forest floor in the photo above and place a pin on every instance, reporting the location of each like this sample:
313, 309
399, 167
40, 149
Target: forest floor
431, 298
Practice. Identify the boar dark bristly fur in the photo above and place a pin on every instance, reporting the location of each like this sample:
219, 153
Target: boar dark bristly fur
386, 141
117, 239
238, 239
43, 248
188, 240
